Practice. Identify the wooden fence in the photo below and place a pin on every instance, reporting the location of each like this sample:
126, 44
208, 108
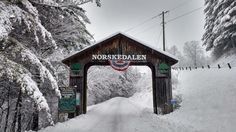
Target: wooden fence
218, 66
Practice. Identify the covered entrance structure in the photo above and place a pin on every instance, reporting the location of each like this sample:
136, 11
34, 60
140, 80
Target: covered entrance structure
120, 51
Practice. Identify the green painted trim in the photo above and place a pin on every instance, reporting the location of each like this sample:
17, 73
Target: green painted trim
163, 68
76, 66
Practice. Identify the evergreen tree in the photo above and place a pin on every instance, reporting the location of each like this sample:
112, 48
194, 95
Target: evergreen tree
30, 32
220, 26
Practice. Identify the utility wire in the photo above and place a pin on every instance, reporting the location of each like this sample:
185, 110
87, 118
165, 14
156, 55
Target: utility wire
146, 29
155, 16
159, 37
180, 5
185, 14
145, 21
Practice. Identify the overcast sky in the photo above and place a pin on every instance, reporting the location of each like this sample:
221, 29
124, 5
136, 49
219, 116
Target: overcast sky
119, 15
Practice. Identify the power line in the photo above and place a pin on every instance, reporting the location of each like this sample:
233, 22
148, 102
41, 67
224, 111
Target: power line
145, 21
155, 16
159, 37
150, 27
180, 5
146, 29
185, 14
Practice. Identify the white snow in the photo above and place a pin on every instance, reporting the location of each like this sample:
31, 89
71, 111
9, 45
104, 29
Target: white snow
11, 13
208, 105
6, 14
28, 86
104, 83
28, 56
118, 115
44, 32
227, 59
225, 18
209, 100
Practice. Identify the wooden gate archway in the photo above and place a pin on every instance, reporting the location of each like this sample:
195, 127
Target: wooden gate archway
121, 46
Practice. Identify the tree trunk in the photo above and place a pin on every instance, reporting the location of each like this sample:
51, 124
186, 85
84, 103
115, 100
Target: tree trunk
16, 112
8, 109
35, 119
19, 114
2, 112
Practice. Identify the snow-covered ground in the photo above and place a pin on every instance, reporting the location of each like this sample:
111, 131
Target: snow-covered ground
209, 100
209, 105
226, 59
118, 115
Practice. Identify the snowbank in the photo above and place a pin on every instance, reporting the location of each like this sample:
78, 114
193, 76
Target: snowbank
226, 59
209, 100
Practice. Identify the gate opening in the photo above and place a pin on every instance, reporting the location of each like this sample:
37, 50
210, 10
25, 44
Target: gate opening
104, 83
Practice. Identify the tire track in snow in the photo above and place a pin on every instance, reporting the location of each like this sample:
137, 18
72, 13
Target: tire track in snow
117, 115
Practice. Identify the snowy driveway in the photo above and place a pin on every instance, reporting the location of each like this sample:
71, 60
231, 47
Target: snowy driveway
118, 115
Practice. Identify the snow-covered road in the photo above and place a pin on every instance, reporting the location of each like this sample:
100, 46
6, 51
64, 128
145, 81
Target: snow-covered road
209, 105
118, 115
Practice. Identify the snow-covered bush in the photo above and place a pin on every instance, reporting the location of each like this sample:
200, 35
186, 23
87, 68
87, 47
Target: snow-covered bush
176, 94
105, 83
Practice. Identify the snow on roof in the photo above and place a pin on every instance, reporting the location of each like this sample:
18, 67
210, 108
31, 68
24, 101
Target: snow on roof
150, 46
135, 39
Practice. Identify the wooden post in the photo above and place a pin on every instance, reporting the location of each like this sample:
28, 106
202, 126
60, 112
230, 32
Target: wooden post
208, 66
163, 28
229, 66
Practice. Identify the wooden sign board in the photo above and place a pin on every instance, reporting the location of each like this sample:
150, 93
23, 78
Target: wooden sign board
67, 103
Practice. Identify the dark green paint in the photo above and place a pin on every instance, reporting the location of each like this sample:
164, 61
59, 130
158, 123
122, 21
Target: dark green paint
76, 66
164, 68
68, 101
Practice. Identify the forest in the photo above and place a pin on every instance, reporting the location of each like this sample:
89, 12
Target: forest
35, 35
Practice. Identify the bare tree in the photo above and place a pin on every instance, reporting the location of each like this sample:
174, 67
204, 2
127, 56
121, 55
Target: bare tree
175, 51
194, 53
